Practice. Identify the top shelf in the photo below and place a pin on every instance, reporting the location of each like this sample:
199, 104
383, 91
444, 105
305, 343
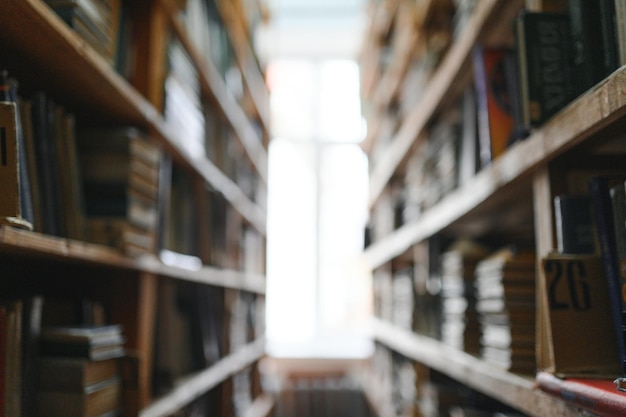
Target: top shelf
19, 242
80, 79
490, 19
510, 176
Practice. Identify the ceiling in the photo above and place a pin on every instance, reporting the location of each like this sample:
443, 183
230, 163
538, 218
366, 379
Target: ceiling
314, 29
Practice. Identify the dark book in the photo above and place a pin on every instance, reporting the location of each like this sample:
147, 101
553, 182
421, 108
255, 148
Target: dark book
47, 164
96, 400
593, 42
599, 191
74, 374
89, 342
543, 43
574, 224
596, 395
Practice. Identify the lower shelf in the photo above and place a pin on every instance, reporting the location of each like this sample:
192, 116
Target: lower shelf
517, 391
196, 385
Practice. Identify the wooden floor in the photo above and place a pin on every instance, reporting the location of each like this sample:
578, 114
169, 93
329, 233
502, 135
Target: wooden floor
321, 398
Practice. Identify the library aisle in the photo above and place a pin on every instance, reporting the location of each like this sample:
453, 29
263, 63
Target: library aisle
294, 208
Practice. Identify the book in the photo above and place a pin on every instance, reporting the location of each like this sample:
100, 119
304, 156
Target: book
542, 42
599, 191
90, 342
44, 140
593, 394
495, 117
578, 308
593, 42
10, 205
95, 400
74, 374
574, 224
123, 179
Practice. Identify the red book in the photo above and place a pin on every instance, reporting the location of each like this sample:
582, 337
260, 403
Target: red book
599, 396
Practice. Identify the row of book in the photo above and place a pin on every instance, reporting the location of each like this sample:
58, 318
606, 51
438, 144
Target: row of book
198, 325
113, 186
406, 388
102, 185
104, 25
71, 369
558, 55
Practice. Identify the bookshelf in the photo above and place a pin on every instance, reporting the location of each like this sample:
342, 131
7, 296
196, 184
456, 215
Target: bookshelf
509, 201
52, 57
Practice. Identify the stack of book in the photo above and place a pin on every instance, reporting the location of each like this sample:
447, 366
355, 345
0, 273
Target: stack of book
505, 292
95, 21
403, 299
460, 324
122, 176
183, 108
79, 371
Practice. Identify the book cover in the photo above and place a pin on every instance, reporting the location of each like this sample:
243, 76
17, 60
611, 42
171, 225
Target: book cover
495, 118
542, 43
574, 224
578, 307
74, 374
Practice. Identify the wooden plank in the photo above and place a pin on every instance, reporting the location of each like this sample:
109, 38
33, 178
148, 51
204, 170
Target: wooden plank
517, 391
439, 89
34, 244
601, 107
195, 386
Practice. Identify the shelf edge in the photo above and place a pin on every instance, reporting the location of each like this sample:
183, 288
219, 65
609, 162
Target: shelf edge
195, 386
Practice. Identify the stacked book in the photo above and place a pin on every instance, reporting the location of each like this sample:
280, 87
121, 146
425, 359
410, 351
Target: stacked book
95, 21
403, 299
460, 324
122, 180
183, 109
505, 291
79, 371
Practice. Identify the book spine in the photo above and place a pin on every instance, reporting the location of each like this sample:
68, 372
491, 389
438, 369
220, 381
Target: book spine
543, 42
603, 216
574, 224
587, 49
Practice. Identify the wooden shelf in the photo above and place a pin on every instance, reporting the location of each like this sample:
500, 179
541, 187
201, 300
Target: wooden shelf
213, 85
31, 244
82, 80
195, 386
235, 24
514, 390
488, 18
392, 79
510, 176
